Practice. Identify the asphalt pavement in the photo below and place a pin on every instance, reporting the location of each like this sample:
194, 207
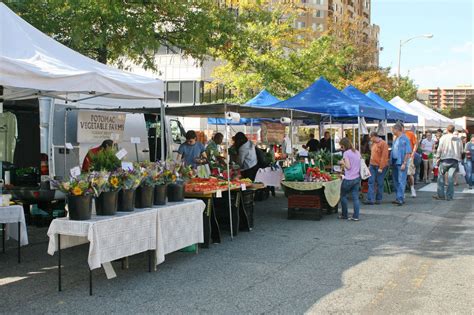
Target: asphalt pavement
418, 259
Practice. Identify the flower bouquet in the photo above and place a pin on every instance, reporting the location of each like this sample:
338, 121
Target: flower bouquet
129, 181
106, 186
79, 194
177, 174
144, 193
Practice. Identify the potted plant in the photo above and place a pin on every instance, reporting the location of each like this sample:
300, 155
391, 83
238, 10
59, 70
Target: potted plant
144, 192
130, 180
79, 194
106, 188
105, 160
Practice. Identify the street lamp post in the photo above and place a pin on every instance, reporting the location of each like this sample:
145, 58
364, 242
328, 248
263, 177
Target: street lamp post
403, 42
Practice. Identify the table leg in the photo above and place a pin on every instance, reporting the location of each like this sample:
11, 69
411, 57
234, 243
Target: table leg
19, 242
215, 229
90, 282
206, 216
244, 224
3, 236
59, 262
149, 261
197, 249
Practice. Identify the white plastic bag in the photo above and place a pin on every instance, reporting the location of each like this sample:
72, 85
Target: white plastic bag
364, 170
461, 169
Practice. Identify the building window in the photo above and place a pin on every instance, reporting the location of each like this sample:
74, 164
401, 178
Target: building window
318, 14
172, 92
300, 24
187, 92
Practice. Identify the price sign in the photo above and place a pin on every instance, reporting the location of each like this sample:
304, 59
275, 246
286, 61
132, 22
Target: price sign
243, 187
219, 194
135, 140
69, 146
128, 166
121, 154
75, 171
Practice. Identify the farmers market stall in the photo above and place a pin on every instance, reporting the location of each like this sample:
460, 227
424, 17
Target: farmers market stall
126, 234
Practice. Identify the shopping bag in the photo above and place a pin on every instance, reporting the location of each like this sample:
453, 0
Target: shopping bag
461, 169
364, 170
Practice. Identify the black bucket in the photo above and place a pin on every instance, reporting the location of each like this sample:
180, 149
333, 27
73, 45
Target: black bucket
175, 192
159, 198
79, 207
126, 200
106, 203
144, 196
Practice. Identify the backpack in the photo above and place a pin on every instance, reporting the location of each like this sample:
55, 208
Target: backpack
261, 158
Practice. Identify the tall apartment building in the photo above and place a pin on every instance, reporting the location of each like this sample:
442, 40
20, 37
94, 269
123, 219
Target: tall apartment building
186, 78
443, 98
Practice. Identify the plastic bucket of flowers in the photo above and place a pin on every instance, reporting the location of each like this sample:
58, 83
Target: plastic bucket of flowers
175, 190
107, 187
79, 194
144, 192
159, 194
129, 181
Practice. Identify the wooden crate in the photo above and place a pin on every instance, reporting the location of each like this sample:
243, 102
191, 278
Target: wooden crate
300, 205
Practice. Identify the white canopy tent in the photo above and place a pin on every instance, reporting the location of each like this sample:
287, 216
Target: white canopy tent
427, 118
33, 64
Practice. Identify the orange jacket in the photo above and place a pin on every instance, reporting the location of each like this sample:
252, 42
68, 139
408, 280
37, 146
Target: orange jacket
379, 154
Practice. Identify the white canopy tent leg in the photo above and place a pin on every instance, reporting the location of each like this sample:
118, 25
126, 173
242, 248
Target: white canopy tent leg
162, 131
291, 132
228, 174
358, 128
331, 140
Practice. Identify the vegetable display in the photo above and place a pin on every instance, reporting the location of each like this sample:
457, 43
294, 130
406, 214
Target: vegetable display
314, 174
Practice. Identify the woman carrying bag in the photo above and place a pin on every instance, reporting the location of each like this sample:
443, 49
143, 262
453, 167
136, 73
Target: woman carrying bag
351, 163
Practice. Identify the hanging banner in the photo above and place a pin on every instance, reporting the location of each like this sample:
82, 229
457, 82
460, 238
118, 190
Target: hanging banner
272, 132
97, 126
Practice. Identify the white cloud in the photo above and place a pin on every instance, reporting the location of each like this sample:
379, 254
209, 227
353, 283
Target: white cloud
467, 47
448, 73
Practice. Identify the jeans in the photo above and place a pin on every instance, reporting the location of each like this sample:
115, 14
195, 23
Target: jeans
450, 167
350, 186
399, 181
376, 178
469, 175
417, 161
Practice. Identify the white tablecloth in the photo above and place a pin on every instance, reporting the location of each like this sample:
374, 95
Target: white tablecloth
12, 215
269, 176
163, 229
179, 225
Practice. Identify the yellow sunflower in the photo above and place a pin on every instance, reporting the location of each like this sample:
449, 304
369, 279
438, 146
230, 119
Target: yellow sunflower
173, 178
77, 191
114, 182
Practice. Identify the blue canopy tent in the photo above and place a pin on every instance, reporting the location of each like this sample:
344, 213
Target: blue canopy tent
408, 118
358, 96
322, 97
264, 98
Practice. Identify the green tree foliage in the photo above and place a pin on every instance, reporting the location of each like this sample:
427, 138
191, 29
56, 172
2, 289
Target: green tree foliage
110, 30
276, 56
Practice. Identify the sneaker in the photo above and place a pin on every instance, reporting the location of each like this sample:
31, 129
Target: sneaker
438, 197
353, 219
342, 217
413, 192
365, 202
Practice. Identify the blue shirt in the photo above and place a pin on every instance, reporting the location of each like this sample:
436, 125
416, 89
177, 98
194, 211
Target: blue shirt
190, 152
400, 147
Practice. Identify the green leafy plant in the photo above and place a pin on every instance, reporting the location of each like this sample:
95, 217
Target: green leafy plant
105, 160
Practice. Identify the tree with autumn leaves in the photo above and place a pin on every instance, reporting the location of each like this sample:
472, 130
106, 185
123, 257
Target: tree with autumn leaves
256, 41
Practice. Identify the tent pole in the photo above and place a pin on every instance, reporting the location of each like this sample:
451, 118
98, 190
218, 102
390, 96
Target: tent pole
331, 139
386, 131
251, 128
291, 131
228, 175
162, 127
65, 141
358, 128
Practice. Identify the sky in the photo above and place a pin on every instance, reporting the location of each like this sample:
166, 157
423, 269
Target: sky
446, 60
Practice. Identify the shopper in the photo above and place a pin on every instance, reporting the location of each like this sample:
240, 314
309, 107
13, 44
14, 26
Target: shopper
378, 168
327, 143
469, 161
312, 145
351, 182
86, 164
212, 149
448, 156
191, 151
427, 148
400, 156
439, 134
247, 156
411, 164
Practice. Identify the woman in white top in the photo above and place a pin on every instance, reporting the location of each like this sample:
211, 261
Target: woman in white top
247, 156
427, 147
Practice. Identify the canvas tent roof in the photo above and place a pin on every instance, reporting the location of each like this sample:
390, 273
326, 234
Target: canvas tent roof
360, 97
33, 64
426, 117
323, 97
396, 113
263, 98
